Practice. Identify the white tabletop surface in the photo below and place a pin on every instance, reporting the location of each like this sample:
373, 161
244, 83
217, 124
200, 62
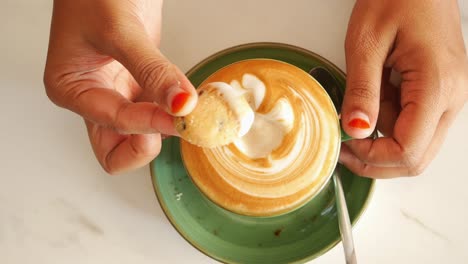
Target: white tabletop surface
58, 206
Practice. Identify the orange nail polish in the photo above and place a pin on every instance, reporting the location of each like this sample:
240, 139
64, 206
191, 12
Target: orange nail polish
359, 123
179, 101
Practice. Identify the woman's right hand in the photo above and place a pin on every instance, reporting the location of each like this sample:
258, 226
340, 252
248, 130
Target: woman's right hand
104, 64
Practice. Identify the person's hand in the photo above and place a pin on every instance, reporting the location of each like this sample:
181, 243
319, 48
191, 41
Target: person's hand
104, 64
423, 42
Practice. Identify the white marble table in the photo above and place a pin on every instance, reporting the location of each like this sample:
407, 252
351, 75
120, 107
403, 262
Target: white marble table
58, 206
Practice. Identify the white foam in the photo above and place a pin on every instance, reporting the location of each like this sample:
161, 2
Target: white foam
259, 134
233, 96
264, 136
254, 86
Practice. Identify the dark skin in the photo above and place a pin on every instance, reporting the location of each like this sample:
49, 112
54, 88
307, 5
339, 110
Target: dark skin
104, 64
421, 40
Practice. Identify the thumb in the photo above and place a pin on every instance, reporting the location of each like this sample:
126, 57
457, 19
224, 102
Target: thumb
360, 109
367, 45
361, 101
162, 82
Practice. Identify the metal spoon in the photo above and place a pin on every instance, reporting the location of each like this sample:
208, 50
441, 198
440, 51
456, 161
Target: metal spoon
326, 79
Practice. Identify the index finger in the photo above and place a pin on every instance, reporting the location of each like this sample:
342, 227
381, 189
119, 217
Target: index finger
109, 108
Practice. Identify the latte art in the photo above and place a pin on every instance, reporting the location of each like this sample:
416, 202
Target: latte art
268, 130
288, 153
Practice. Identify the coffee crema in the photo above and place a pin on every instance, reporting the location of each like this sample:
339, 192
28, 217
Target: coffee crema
288, 154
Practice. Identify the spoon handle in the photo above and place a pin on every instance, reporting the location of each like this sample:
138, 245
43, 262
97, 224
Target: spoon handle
329, 83
343, 220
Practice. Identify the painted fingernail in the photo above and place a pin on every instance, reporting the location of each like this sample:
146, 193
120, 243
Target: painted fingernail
359, 120
179, 101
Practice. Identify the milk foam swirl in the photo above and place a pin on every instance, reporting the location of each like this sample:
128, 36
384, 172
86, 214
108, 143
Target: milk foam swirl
263, 141
286, 156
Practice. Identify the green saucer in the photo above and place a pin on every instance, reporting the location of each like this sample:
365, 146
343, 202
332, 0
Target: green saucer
295, 237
